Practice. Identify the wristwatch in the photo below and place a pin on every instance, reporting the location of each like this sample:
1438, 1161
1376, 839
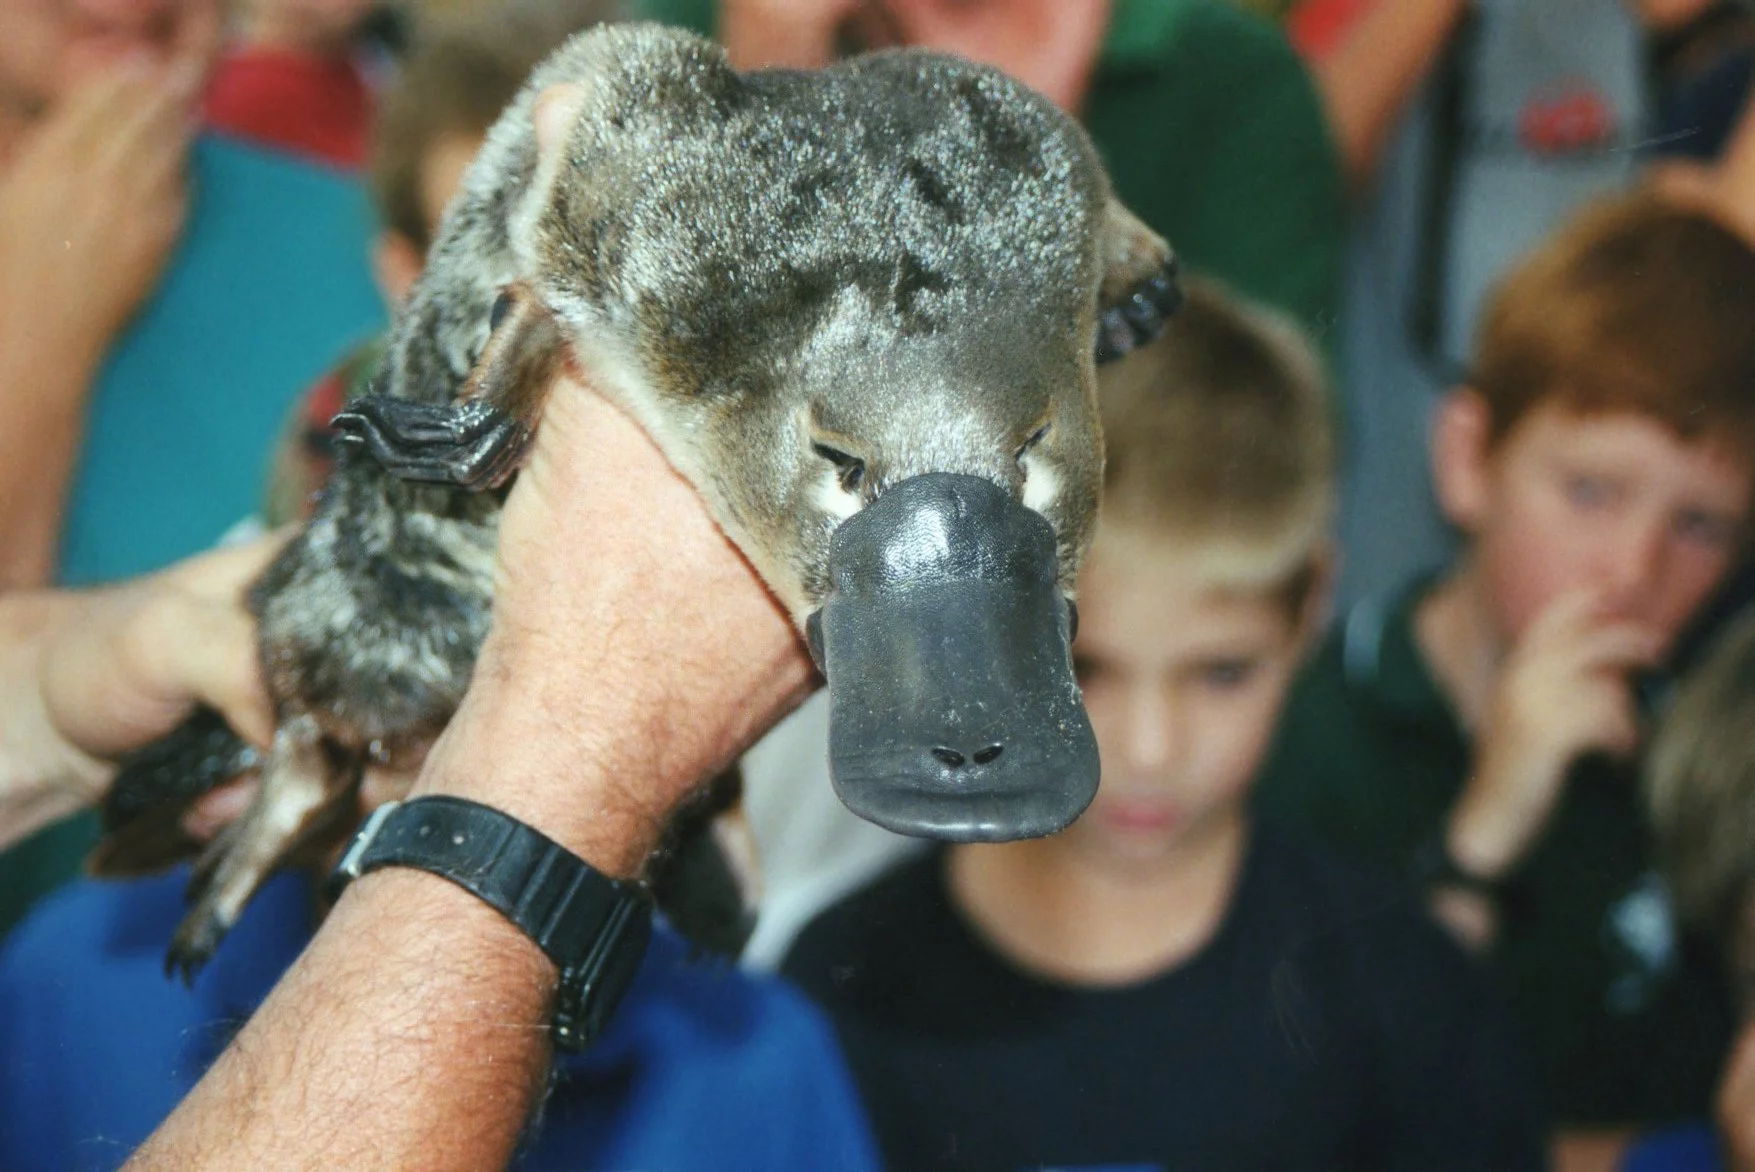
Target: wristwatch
594, 928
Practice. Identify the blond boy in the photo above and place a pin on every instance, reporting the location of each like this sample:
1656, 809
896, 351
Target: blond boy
1474, 732
1167, 984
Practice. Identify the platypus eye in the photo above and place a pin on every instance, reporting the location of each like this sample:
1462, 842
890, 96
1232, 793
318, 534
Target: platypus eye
1033, 441
502, 306
850, 469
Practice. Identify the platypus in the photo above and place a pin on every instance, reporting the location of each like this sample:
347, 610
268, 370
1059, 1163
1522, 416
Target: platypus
858, 308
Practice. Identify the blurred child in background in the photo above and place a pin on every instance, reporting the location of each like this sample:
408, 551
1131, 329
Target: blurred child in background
1474, 731
1170, 983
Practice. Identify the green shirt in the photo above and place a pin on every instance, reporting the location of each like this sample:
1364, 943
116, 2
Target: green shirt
1627, 1022
1214, 135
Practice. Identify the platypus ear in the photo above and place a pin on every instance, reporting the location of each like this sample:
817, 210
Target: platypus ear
1139, 289
557, 108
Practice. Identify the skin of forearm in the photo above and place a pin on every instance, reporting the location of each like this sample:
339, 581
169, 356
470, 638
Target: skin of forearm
447, 985
42, 778
43, 392
1367, 82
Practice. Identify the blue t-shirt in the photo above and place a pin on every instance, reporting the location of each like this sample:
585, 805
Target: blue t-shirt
704, 1066
1680, 1149
271, 281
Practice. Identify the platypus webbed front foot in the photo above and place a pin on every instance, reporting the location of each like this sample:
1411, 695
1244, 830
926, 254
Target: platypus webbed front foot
474, 444
1124, 328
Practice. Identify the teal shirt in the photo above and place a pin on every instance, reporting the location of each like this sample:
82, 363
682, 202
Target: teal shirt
1214, 135
269, 283
1627, 1020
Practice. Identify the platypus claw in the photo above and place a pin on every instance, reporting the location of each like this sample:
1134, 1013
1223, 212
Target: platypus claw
1124, 328
193, 946
472, 445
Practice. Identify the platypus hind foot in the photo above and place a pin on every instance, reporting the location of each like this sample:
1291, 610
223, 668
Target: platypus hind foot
473, 444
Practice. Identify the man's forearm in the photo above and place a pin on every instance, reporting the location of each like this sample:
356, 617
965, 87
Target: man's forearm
1368, 80
413, 1032
426, 1049
42, 778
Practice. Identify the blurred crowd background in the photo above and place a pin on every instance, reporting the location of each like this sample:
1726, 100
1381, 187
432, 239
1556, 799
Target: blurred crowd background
208, 212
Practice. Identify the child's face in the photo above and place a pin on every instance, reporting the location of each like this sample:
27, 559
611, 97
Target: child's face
398, 260
1610, 504
1184, 684
51, 47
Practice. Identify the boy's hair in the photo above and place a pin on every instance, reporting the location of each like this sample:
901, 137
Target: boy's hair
1636, 305
1219, 440
461, 72
1700, 785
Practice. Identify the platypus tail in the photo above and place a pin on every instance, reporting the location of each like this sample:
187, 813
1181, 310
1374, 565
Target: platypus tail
143, 814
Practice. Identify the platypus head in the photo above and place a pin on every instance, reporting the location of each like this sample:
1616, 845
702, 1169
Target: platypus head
858, 309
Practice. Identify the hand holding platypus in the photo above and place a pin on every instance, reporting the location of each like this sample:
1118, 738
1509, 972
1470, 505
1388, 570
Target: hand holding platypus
857, 309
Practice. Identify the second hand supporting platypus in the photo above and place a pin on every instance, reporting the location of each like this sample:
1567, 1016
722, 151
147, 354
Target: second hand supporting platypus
859, 309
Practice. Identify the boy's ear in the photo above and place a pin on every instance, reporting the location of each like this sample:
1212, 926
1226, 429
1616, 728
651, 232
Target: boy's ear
1319, 599
1460, 433
396, 264
557, 109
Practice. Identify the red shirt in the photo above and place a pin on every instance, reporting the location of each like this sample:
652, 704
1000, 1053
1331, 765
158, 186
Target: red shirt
318, 107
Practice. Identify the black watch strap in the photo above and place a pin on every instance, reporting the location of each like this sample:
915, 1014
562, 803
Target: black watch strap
594, 928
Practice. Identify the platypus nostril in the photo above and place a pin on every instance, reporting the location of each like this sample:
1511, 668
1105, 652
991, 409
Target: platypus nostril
949, 756
991, 752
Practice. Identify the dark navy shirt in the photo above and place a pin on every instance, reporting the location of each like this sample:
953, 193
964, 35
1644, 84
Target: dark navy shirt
1327, 1025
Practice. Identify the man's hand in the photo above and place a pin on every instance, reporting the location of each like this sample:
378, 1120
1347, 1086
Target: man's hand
131, 662
90, 207
634, 652
91, 676
1564, 691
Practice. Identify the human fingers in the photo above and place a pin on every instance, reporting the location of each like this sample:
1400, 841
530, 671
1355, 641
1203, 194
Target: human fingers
198, 37
1567, 614
171, 651
131, 662
223, 574
152, 134
215, 663
1616, 646
213, 811
87, 119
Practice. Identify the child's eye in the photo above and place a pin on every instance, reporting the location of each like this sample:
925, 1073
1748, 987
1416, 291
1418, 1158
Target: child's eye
1702, 528
1589, 492
1225, 674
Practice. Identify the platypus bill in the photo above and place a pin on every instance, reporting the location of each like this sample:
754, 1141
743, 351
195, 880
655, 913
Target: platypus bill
859, 309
